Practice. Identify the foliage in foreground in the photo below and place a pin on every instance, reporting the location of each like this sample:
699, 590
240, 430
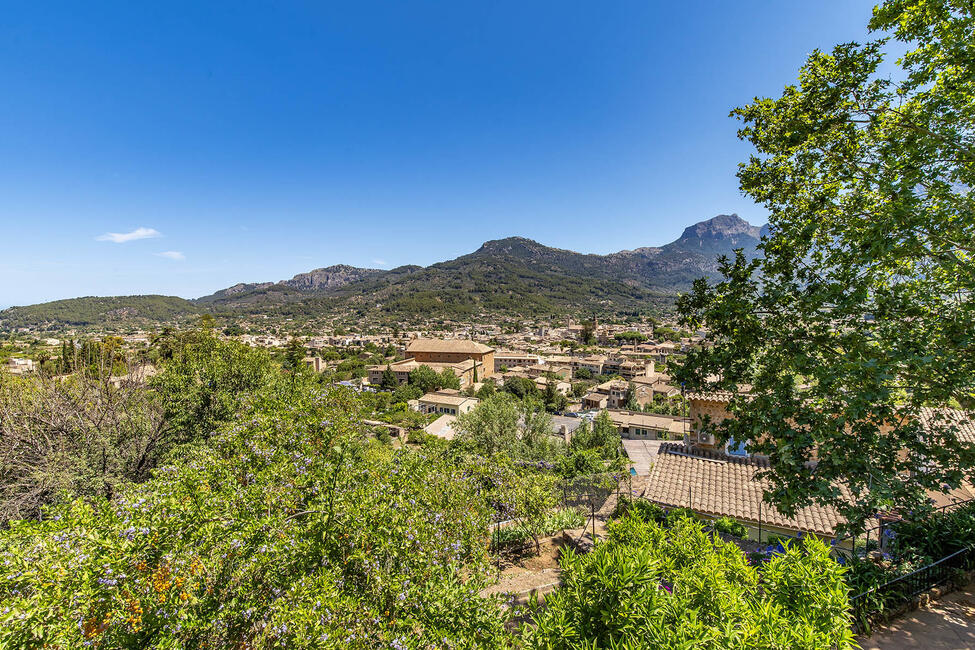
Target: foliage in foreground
647, 586
284, 531
860, 312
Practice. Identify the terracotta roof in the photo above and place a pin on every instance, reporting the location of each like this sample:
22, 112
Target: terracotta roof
946, 418
452, 345
720, 485
672, 424
711, 396
448, 398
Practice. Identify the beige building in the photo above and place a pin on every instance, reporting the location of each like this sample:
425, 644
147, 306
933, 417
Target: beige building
427, 351
612, 395
648, 426
18, 366
315, 364
447, 402
465, 370
564, 372
515, 360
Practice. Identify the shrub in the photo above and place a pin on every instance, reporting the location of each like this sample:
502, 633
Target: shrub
731, 527
651, 587
566, 519
283, 531
641, 509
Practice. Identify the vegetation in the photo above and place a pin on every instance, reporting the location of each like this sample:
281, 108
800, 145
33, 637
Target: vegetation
647, 586
99, 311
284, 531
79, 436
860, 313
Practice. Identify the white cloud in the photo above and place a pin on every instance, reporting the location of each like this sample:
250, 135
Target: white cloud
380, 262
122, 237
172, 255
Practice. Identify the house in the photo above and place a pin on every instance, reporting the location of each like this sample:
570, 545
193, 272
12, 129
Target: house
545, 369
18, 366
703, 407
612, 395
627, 368
715, 484
448, 402
593, 363
658, 384
466, 371
562, 387
315, 364
515, 359
648, 426
427, 351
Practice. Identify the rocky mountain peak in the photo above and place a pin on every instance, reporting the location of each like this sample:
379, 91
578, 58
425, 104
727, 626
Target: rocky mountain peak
723, 226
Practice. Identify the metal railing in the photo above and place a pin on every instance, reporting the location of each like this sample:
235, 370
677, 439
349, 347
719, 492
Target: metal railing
901, 591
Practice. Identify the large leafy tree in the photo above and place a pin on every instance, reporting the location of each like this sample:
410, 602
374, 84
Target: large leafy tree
860, 313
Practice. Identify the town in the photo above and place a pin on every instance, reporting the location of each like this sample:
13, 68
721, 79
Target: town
515, 326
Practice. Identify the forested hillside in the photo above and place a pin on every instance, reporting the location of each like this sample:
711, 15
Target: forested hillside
93, 310
512, 276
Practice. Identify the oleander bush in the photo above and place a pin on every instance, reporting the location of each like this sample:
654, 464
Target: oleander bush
652, 587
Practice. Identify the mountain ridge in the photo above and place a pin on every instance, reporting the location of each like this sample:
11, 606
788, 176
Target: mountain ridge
512, 274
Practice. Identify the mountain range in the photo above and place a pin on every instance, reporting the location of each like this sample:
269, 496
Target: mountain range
513, 275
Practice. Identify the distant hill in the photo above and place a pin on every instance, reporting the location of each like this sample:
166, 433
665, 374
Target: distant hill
97, 311
513, 275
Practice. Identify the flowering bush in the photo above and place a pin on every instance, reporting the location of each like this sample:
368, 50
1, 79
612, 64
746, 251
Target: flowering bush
647, 586
285, 530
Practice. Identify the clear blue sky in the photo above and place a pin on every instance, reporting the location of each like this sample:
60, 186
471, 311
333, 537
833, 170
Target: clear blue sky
259, 140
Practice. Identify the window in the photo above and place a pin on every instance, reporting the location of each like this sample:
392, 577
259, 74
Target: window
736, 448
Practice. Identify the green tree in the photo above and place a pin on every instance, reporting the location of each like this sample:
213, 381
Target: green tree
493, 425
205, 381
520, 387
588, 333
860, 312
667, 334
650, 587
406, 392
630, 337
555, 402
602, 435
425, 379
629, 399
389, 380
487, 389
448, 379
294, 355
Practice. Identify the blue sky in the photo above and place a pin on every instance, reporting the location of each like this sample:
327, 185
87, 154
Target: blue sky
252, 141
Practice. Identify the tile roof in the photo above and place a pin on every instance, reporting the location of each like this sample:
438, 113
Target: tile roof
452, 345
945, 418
446, 398
648, 420
715, 484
